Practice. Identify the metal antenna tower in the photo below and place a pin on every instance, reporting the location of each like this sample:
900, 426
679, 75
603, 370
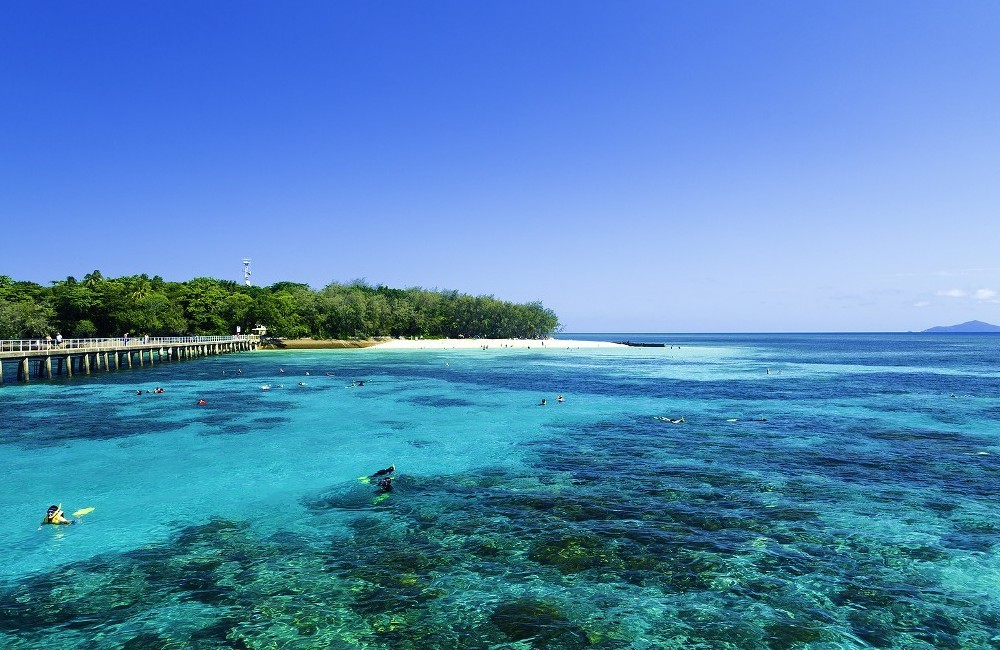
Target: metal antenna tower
246, 271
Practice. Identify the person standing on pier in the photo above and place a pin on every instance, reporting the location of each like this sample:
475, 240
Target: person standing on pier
58, 339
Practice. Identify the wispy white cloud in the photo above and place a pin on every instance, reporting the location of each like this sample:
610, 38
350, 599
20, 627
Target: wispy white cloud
979, 295
985, 295
922, 303
945, 273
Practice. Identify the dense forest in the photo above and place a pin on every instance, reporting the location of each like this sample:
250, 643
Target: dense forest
97, 306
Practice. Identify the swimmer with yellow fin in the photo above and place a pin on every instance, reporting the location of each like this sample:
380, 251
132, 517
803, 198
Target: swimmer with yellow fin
54, 516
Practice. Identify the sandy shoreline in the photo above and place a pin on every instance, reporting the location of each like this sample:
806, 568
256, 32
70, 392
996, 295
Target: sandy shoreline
441, 344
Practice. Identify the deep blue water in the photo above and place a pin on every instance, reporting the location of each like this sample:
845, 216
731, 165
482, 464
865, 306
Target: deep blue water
822, 491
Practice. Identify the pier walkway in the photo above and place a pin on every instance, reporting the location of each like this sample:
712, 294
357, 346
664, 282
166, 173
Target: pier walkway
42, 359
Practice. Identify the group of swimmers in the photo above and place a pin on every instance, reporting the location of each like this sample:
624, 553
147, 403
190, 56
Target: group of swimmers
679, 420
281, 371
156, 390
559, 400
382, 479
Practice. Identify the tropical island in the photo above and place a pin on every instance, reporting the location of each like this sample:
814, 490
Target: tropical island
98, 306
968, 327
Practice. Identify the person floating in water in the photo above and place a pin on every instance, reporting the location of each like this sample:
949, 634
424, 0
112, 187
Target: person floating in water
542, 403
560, 399
54, 515
383, 483
202, 402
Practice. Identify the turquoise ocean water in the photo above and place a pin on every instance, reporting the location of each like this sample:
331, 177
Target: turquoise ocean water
861, 512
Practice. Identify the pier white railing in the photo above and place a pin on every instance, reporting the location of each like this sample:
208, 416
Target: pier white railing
96, 345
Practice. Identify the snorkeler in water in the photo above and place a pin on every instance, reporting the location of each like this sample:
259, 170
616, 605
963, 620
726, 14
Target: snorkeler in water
54, 515
384, 472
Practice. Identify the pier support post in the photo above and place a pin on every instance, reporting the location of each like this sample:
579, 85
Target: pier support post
86, 364
69, 366
22, 372
48, 367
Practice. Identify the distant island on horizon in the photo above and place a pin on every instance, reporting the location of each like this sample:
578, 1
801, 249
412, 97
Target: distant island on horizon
972, 326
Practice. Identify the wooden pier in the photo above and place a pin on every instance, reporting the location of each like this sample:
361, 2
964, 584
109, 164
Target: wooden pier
38, 359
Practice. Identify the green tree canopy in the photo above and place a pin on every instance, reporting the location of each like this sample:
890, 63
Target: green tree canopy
139, 304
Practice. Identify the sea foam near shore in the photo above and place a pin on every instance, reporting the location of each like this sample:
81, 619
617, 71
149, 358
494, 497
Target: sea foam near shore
471, 344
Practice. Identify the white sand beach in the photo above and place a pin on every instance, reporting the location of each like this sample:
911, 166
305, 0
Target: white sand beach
471, 344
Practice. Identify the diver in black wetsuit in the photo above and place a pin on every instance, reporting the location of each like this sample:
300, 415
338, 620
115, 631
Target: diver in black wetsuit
384, 472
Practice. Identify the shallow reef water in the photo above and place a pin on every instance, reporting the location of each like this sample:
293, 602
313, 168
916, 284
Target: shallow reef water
824, 525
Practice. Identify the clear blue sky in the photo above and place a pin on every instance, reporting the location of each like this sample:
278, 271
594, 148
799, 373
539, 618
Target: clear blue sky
636, 166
